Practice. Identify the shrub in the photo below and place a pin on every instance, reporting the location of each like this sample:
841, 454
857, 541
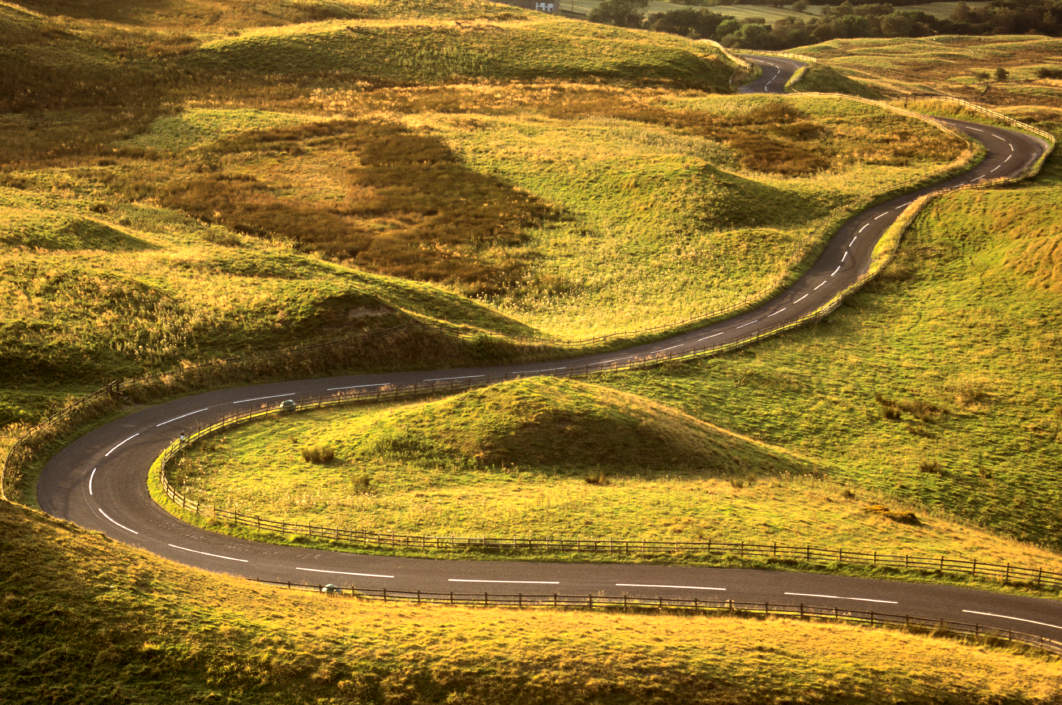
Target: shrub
318, 455
597, 478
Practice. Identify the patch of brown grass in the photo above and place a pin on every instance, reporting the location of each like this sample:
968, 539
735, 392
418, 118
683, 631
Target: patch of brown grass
398, 202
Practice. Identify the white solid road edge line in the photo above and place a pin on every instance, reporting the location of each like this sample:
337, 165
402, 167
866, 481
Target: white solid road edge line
671, 587
509, 582
108, 453
204, 553
120, 526
182, 416
838, 597
1016, 619
271, 396
91, 476
343, 572
447, 379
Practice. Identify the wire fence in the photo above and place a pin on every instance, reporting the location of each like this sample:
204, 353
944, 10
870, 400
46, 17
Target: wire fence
691, 606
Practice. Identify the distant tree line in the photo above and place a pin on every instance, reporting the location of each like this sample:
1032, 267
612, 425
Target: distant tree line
848, 19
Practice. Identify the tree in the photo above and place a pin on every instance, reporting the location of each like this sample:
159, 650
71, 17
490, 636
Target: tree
622, 13
1002, 74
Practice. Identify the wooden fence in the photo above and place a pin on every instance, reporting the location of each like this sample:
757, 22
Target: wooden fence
691, 606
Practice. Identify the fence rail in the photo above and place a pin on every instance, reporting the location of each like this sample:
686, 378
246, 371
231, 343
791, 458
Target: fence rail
390, 540
692, 606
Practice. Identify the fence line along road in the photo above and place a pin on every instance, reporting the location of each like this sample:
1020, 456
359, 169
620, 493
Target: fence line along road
690, 606
389, 540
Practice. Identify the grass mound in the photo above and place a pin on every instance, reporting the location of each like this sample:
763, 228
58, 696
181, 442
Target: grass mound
214, 15
827, 80
88, 620
426, 51
558, 424
58, 231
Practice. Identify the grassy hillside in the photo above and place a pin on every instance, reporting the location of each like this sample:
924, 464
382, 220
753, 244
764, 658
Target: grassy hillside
87, 620
937, 385
962, 66
551, 458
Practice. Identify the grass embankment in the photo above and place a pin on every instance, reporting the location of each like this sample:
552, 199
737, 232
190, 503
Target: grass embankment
85, 619
937, 385
550, 458
957, 65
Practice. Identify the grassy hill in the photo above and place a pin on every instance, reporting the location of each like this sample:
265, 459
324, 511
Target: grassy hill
938, 384
962, 66
551, 458
87, 620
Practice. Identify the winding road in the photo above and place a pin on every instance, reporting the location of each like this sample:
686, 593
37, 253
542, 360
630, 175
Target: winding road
99, 481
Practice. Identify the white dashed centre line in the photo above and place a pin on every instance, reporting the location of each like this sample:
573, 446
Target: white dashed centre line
879, 216
178, 418
343, 572
834, 272
975, 129
820, 285
670, 587
801, 298
1016, 619
713, 335
837, 597
448, 379
108, 453
506, 582
853, 240
120, 526
92, 476
356, 386
865, 226
1009, 157
776, 312
271, 396
748, 323
204, 553
995, 169
671, 348
844, 256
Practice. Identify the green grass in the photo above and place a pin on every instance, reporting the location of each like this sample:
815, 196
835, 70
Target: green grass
956, 342
557, 458
676, 207
86, 619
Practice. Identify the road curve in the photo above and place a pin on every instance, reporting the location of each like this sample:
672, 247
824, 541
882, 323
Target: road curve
99, 480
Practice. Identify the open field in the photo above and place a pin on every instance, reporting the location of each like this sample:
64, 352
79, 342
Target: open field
550, 458
88, 620
961, 66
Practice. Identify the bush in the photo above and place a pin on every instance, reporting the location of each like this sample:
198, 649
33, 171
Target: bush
1045, 72
319, 455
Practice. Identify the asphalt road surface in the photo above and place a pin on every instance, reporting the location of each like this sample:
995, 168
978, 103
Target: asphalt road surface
99, 481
